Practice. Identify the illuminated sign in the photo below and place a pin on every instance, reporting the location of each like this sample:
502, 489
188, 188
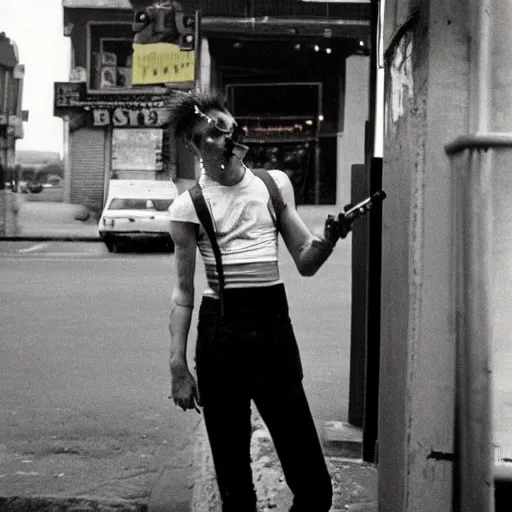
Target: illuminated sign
160, 63
304, 129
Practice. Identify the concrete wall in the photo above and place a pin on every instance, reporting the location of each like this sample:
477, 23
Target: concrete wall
426, 105
354, 114
8, 214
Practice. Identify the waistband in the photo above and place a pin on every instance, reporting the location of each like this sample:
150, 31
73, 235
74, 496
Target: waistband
255, 303
243, 274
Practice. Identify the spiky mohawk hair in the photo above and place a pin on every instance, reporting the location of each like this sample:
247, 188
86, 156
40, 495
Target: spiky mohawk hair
183, 114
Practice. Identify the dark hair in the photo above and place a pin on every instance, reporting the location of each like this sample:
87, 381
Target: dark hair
182, 109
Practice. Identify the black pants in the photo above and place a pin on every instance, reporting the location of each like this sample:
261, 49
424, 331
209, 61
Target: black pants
252, 353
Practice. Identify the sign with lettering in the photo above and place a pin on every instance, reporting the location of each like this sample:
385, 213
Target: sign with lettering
160, 63
121, 117
69, 95
137, 149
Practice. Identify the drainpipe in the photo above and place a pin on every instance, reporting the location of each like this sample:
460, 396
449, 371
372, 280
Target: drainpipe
476, 160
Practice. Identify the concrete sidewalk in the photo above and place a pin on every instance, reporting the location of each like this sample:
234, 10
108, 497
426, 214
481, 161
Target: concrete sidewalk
354, 482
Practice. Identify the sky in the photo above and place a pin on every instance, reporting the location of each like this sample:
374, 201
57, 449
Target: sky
37, 29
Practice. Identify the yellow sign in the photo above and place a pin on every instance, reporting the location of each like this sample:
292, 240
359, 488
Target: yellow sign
162, 63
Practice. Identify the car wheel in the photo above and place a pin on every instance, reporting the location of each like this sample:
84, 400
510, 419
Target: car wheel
169, 245
112, 245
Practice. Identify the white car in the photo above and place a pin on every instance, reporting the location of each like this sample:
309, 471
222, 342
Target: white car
137, 210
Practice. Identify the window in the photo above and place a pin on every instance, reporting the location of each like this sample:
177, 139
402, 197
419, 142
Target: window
110, 56
159, 205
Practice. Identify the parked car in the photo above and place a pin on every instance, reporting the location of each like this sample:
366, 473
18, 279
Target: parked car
35, 188
137, 210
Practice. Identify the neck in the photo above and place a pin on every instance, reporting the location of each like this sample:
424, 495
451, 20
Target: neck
230, 175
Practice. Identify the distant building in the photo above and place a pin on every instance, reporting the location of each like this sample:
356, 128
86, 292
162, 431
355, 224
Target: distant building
32, 165
11, 129
11, 115
296, 75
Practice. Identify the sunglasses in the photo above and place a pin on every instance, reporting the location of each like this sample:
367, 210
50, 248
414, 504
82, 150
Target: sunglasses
236, 134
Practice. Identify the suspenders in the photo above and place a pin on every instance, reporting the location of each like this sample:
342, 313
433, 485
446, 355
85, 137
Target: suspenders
206, 221
203, 213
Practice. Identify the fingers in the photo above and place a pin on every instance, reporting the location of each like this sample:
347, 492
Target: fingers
189, 402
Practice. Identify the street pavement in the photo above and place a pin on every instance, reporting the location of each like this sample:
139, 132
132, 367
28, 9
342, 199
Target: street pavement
84, 378
84, 408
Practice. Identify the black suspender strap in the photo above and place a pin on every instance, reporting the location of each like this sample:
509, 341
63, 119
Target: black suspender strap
205, 218
203, 213
275, 194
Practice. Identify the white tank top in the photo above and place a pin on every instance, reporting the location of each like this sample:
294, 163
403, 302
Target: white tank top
243, 220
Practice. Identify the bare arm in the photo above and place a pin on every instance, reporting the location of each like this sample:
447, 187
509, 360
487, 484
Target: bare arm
308, 251
184, 388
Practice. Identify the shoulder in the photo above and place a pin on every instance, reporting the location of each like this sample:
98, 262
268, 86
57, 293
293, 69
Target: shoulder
285, 186
182, 209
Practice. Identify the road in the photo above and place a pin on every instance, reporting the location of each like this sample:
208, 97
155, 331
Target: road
84, 407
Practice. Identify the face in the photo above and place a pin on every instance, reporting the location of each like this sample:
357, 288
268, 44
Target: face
216, 138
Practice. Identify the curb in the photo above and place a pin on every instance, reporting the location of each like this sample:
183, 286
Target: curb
55, 504
354, 481
50, 238
267, 474
205, 493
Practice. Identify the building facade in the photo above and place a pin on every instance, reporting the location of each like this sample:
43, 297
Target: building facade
295, 75
11, 127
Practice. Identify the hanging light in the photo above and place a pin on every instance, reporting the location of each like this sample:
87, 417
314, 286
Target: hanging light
317, 48
328, 51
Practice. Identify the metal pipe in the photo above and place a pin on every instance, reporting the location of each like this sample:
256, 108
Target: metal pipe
473, 177
233, 22
273, 26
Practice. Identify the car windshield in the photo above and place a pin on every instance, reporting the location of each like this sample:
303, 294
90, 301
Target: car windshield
126, 203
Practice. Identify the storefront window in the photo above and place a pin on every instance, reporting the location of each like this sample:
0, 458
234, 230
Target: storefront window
110, 56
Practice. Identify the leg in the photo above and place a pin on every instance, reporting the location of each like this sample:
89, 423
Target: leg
286, 413
228, 423
227, 415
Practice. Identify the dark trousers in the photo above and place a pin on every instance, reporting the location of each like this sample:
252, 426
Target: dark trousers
252, 354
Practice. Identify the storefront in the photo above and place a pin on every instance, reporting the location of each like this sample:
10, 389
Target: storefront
113, 137
290, 96
296, 74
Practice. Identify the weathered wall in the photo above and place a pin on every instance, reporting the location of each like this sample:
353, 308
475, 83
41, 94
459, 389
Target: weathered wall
8, 214
350, 148
426, 105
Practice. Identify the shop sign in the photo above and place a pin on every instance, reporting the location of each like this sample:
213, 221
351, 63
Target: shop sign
74, 95
68, 94
120, 117
162, 63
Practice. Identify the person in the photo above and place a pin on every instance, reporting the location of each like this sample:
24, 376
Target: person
246, 348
